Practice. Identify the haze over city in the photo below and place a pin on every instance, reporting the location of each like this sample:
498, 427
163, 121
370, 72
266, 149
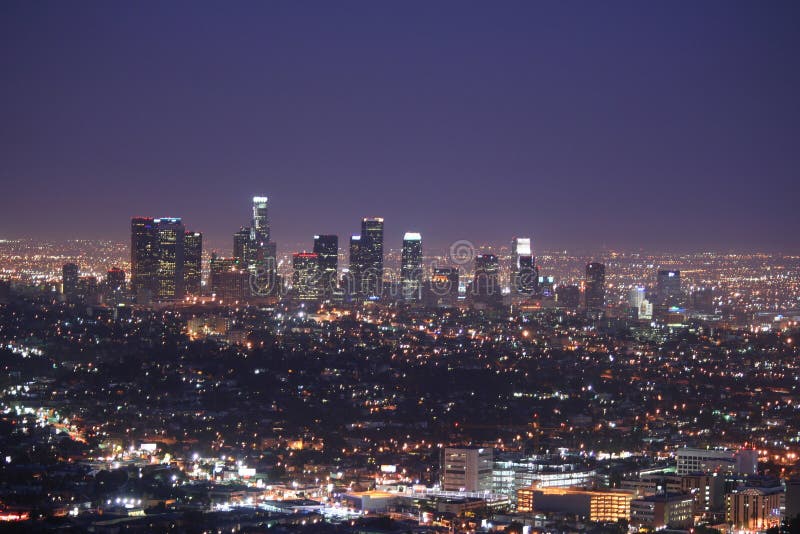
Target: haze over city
625, 125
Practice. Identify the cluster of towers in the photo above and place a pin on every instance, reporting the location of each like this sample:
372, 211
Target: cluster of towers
166, 265
166, 259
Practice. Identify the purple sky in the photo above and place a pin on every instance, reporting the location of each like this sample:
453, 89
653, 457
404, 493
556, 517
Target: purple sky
662, 125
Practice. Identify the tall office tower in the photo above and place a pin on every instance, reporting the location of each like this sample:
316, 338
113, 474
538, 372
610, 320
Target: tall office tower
467, 469
326, 247
115, 292
523, 268
595, 287
371, 255
144, 258
636, 297
192, 262
443, 287
261, 219
306, 276
486, 283
354, 276
668, 288
69, 279
229, 280
411, 267
171, 234
243, 246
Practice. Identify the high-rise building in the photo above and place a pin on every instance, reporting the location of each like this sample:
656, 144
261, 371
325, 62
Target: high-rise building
595, 288
443, 287
144, 258
243, 246
69, 279
354, 275
261, 219
158, 255
306, 276
486, 284
171, 233
326, 247
411, 267
115, 290
668, 288
754, 508
192, 262
229, 279
371, 257
523, 267
467, 469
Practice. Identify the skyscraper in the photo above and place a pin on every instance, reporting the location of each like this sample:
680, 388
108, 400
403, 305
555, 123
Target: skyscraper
354, 275
443, 287
411, 267
192, 262
668, 288
595, 287
326, 247
371, 257
229, 279
261, 219
144, 258
158, 256
242, 246
69, 280
523, 268
171, 233
306, 276
115, 291
486, 283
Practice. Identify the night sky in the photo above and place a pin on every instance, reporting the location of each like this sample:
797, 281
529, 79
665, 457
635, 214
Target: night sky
658, 124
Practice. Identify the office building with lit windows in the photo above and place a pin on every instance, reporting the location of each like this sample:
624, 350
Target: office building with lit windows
411, 267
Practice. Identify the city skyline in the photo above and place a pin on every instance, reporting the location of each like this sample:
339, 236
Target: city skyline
667, 128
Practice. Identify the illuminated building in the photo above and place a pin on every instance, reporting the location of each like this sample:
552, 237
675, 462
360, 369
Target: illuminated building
192, 262
411, 267
260, 227
158, 255
326, 247
485, 284
370, 257
467, 469
69, 279
170, 253
690, 460
668, 289
115, 285
595, 289
442, 290
354, 275
242, 246
306, 276
229, 280
754, 509
602, 506
144, 258
792, 497
673, 510
523, 268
